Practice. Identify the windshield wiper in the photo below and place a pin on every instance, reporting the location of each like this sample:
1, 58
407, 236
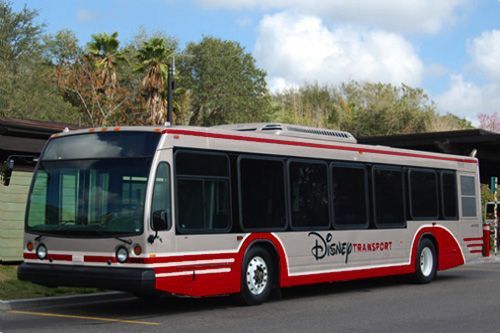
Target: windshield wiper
128, 242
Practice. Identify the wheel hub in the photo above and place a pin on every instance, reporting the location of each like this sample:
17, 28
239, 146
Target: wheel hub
257, 275
426, 261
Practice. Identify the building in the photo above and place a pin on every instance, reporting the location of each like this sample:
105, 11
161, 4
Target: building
485, 145
19, 137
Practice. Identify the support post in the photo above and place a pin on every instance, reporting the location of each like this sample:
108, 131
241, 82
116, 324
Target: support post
170, 88
495, 214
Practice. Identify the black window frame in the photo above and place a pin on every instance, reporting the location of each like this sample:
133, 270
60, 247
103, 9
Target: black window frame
178, 229
374, 198
410, 197
288, 189
364, 167
285, 192
457, 208
153, 192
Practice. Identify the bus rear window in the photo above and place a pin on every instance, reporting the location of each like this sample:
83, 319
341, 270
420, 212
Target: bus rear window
102, 145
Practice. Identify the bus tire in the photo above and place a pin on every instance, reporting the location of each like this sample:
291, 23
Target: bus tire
257, 276
426, 262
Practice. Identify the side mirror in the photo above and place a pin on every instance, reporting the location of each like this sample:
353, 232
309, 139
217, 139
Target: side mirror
160, 220
6, 171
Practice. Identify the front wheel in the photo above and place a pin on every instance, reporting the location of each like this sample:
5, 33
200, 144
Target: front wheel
426, 262
257, 276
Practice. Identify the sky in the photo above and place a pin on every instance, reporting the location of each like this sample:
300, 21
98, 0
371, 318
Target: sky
450, 48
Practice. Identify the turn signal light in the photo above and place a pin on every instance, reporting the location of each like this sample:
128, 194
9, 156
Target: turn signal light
29, 246
137, 250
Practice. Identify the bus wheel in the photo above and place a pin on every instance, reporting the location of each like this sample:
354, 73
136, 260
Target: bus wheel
257, 276
426, 262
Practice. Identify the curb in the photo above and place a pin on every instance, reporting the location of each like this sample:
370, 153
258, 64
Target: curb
485, 260
4, 306
66, 299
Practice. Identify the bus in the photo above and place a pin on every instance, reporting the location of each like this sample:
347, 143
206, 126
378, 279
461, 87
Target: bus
242, 209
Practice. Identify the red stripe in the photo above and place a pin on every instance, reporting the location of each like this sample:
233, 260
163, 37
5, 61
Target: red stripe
473, 239
98, 259
30, 256
476, 251
475, 245
314, 145
59, 257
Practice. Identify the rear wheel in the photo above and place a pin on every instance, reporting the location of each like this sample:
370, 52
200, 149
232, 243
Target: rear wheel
257, 276
426, 262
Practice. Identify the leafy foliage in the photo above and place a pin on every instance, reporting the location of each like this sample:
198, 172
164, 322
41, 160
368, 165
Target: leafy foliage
27, 87
51, 77
224, 83
364, 109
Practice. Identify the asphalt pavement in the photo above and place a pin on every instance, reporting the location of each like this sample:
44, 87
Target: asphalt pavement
464, 299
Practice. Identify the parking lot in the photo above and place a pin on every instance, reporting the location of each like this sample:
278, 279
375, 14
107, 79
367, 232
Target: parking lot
462, 299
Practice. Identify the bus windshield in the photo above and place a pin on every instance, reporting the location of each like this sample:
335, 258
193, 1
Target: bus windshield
74, 194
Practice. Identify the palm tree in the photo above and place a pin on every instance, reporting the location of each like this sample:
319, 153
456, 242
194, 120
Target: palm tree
105, 56
153, 62
99, 67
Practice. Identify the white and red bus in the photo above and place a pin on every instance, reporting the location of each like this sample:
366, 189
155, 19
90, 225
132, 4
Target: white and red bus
242, 209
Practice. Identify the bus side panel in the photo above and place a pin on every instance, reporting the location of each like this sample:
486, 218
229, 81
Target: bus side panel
199, 275
211, 277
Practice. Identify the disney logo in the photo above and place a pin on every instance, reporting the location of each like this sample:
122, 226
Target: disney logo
326, 247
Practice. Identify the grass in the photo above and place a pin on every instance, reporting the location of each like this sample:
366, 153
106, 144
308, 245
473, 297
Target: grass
12, 288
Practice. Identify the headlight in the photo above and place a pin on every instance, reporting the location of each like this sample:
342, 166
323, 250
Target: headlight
122, 254
41, 251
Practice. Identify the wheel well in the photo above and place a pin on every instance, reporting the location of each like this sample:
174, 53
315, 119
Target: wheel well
269, 247
434, 241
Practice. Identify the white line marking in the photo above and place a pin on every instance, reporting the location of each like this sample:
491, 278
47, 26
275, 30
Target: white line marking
203, 271
195, 262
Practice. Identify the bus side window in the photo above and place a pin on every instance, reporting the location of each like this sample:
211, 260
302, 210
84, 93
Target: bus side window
203, 187
468, 196
350, 196
423, 190
449, 204
308, 194
161, 193
388, 197
262, 193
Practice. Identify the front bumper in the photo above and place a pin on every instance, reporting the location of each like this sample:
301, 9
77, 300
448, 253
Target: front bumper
135, 280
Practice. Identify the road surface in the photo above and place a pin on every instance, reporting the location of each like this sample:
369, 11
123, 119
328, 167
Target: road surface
460, 300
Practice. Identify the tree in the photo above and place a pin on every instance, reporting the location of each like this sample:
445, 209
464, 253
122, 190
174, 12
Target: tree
153, 58
28, 88
364, 108
310, 105
222, 83
92, 84
104, 56
490, 122
61, 48
19, 36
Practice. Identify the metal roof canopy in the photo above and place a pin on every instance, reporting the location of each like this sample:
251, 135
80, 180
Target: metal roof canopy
25, 137
461, 142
